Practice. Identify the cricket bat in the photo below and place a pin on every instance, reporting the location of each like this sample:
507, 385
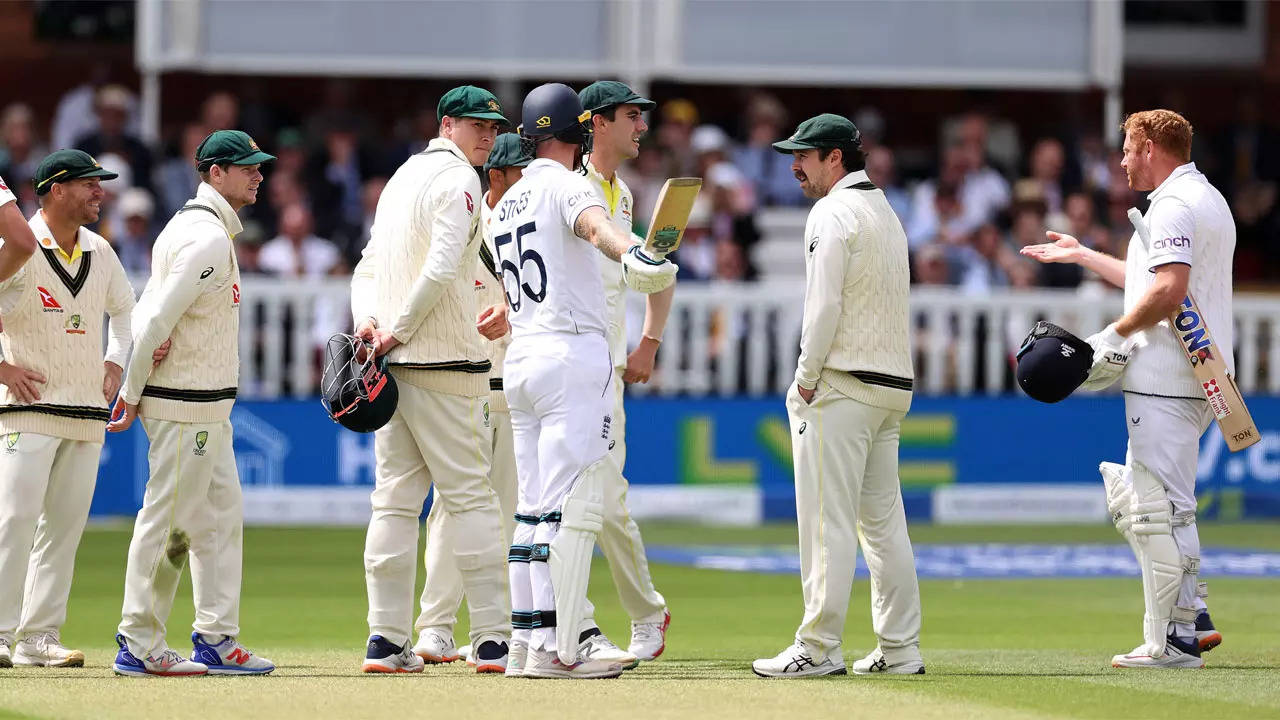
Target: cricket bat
671, 215
1187, 323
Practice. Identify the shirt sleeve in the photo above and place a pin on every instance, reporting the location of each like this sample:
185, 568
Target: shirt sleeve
450, 202
120, 304
1172, 227
195, 265
824, 288
11, 291
6, 195
574, 197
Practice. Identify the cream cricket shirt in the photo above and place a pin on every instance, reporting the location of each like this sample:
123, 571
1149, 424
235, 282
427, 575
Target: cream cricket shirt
193, 298
6, 195
1189, 223
619, 204
53, 310
856, 329
417, 274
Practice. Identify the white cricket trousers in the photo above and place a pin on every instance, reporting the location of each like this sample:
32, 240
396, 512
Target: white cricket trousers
1164, 435
193, 494
46, 487
442, 594
847, 489
441, 439
558, 388
620, 537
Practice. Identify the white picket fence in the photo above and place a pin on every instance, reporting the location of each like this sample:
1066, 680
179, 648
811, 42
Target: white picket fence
726, 339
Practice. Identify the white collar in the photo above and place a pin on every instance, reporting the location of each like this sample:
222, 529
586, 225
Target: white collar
849, 180
219, 205
1177, 173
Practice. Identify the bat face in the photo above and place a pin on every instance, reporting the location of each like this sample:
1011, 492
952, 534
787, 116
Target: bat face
671, 215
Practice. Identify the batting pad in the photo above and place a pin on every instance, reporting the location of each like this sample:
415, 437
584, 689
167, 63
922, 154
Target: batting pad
570, 562
1158, 556
1119, 500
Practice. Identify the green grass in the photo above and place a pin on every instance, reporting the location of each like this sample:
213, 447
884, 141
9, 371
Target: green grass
994, 648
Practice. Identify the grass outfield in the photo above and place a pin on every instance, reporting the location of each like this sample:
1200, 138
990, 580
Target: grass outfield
994, 648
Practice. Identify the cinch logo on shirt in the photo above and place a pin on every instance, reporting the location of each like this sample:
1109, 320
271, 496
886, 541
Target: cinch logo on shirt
46, 299
1171, 242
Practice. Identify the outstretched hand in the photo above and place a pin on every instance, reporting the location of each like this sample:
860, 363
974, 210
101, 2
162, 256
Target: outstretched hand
1061, 249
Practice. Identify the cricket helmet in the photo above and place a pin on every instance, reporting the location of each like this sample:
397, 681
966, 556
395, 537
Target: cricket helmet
554, 110
1052, 363
356, 389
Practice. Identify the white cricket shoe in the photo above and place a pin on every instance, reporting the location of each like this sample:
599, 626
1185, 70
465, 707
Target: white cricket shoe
546, 664
6, 657
902, 662
45, 650
224, 655
166, 663
468, 655
384, 656
797, 662
435, 646
492, 656
649, 639
1177, 654
600, 647
517, 659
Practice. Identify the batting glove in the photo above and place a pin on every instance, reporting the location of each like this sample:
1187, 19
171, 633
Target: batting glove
1111, 353
646, 274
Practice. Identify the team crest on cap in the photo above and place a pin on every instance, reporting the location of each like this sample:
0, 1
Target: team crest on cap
493, 105
253, 145
544, 121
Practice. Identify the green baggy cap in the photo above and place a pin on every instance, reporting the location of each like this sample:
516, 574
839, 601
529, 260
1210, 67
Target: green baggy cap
506, 153
67, 164
470, 101
229, 147
824, 131
610, 93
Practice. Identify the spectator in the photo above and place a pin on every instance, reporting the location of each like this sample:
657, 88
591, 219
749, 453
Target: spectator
679, 117
931, 266
925, 223
220, 111
112, 135
986, 258
296, 252
20, 152
1046, 166
984, 191
882, 170
176, 176
136, 234
75, 117
1095, 162
774, 183
1082, 226
370, 195
732, 220
1029, 229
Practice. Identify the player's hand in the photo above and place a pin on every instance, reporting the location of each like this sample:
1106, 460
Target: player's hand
646, 274
806, 395
122, 415
157, 357
383, 342
1111, 353
641, 361
21, 381
493, 322
1060, 249
112, 374
365, 328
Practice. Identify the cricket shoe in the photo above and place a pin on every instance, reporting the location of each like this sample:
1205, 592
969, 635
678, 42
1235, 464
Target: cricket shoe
517, 658
383, 656
435, 646
491, 657
546, 664
902, 663
1207, 636
1178, 653
601, 647
227, 656
6, 657
797, 662
167, 663
467, 653
649, 639
45, 650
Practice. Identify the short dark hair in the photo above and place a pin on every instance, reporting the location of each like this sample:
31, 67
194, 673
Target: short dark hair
609, 113
204, 174
851, 157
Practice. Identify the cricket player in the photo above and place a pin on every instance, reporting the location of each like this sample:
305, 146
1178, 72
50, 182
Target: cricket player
1152, 496
193, 502
443, 591
19, 242
852, 389
558, 377
617, 123
413, 296
58, 386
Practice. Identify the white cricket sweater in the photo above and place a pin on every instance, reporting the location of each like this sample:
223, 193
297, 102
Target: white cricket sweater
193, 297
53, 313
619, 204
856, 330
417, 274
